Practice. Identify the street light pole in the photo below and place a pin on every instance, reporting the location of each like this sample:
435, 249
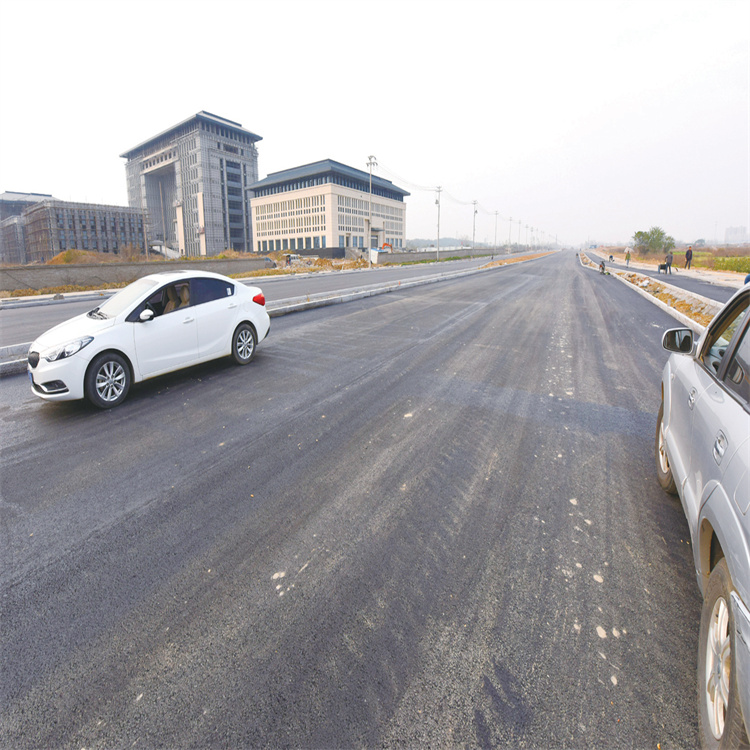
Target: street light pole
370, 163
474, 230
437, 249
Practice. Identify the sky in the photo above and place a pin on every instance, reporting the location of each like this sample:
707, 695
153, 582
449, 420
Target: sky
579, 121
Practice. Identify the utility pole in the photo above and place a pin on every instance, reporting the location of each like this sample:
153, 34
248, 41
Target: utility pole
370, 163
495, 232
510, 227
437, 249
474, 230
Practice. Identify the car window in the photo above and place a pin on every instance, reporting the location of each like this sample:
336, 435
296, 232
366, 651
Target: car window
124, 298
165, 300
738, 369
207, 290
721, 335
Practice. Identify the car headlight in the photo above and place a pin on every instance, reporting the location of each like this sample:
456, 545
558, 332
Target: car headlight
67, 350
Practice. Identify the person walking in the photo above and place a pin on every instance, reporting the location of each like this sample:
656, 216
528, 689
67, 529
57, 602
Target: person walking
688, 256
668, 262
627, 259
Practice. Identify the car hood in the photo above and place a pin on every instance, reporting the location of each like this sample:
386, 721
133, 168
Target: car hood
70, 330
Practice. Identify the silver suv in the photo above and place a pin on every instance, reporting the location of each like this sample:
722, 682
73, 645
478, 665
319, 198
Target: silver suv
703, 454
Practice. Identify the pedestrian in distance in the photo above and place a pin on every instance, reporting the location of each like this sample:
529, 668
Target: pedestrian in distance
627, 258
688, 257
668, 262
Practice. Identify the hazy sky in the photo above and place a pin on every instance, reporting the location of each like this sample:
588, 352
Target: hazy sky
585, 120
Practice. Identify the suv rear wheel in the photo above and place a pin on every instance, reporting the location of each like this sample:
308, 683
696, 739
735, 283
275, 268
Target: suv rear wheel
719, 711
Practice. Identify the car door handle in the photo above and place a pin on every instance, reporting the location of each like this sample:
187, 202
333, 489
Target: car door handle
691, 397
232, 305
720, 447
188, 320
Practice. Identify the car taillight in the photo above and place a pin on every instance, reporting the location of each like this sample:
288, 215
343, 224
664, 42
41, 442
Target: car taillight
259, 299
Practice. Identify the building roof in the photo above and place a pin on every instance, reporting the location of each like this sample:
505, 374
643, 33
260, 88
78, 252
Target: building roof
325, 166
200, 116
11, 197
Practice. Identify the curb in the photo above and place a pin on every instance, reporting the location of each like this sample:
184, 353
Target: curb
16, 359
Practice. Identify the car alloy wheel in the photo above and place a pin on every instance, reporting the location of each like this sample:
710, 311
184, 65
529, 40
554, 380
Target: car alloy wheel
720, 715
663, 470
107, 380
243, 344
718, 663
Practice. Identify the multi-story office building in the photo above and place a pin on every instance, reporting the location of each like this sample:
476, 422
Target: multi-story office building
324, 208
13, 204
191, 180
52, 226
12, 241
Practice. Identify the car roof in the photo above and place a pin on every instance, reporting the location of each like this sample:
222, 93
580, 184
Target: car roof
164, 277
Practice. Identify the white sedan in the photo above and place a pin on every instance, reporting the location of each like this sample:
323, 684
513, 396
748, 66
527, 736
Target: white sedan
157, 324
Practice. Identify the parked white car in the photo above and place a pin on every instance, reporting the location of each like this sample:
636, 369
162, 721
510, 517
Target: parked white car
157, 324
703, 454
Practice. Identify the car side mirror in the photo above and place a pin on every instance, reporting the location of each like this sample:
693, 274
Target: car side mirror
146, 315
678, 340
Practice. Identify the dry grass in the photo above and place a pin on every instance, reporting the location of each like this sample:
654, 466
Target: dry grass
696, 310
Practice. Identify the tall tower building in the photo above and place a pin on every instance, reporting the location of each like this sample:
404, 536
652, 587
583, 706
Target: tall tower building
191, 182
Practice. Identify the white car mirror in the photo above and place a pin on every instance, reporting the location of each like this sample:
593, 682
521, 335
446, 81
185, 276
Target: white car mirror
678, 340
146, 315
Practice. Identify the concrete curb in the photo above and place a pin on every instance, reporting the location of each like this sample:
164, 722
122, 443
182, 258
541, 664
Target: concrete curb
15, 359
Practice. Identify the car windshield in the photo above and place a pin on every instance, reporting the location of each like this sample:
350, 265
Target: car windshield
125, 298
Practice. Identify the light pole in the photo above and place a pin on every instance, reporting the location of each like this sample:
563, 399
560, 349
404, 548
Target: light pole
474, 230
437, 249
370, 163
519, 232
493, 254
510, 226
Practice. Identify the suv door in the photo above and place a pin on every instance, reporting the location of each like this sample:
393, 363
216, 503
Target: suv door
720, 422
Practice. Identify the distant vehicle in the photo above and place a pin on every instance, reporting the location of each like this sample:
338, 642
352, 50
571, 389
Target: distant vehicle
703, 454
157, 324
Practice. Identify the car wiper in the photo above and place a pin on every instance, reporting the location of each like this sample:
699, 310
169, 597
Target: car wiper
96, 313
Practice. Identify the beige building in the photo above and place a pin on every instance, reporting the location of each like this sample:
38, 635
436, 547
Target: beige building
324, 209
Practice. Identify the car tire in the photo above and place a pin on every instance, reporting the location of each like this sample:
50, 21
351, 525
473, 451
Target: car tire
243, 344
719, 711
663, 470
107, 380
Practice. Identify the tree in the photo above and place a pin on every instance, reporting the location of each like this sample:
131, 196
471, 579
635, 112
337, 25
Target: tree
656, 240
640, 242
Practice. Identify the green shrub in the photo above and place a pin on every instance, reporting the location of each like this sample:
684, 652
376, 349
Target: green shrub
741, 265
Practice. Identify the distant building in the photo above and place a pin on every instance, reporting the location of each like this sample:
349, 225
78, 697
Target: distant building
191, 180
323, 209
12, 241
13, 204
12, 249
52, 226
736, 236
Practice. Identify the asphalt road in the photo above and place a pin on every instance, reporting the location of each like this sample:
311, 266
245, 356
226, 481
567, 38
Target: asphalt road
22, 325
428, 518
